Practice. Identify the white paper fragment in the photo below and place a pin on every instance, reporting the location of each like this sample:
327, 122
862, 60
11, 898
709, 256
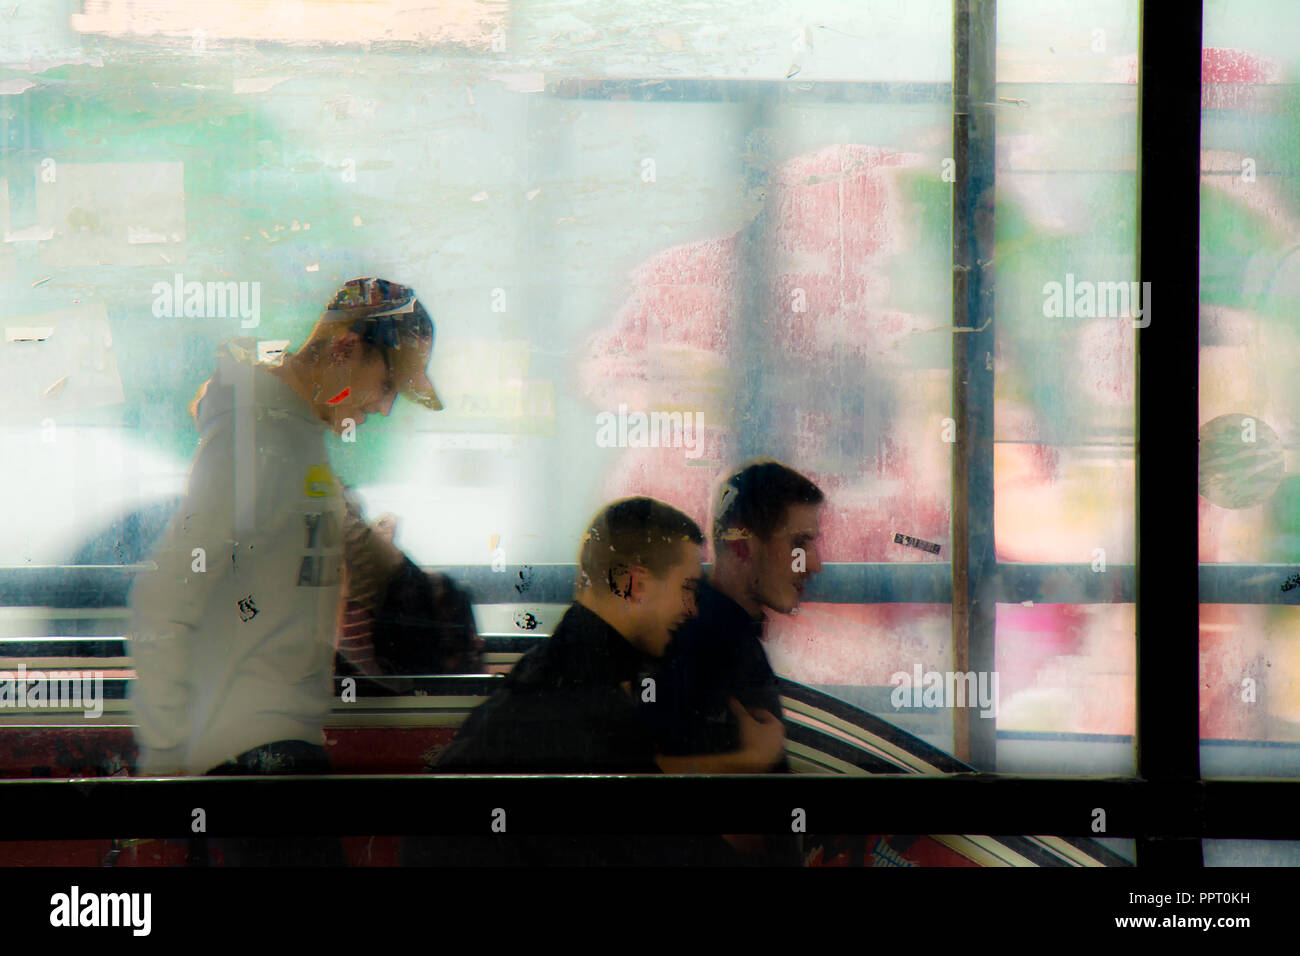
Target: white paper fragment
28, 333
521, 82
257, 84
271, 350
30, 234
143, 235
58, 363
94, 207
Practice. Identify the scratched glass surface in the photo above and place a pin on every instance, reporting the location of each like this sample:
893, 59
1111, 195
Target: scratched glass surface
1064, 386
1065, 216
1251, 852
739, 218
1249, 503
1066, 688
757, 256
1250, 286
868, 655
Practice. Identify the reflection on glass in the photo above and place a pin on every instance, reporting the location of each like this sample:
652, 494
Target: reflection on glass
1066, 195
1249, 492
1250, 690
1067, 688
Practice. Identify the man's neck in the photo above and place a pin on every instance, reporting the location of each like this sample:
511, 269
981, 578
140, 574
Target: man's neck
613, 620
729, 579
295, 372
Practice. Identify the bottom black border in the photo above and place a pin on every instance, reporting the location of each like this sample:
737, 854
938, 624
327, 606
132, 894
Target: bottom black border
657, 905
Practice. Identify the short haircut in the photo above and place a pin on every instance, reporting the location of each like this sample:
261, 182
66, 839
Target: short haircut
755, 499
634, 532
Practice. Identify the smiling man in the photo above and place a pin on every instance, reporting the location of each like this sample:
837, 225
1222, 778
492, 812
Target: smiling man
570, 704
233, 630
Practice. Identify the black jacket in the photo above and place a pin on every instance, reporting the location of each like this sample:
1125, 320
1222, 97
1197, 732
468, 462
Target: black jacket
564, 708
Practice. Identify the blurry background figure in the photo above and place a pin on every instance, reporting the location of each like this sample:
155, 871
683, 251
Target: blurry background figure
233, 627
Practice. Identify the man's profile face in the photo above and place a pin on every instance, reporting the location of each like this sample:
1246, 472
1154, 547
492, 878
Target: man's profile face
780, 573
669, 601
370, 389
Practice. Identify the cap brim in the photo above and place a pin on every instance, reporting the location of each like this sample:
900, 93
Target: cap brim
419, 389
423, 394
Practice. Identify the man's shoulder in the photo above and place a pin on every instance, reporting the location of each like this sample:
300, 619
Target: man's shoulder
719, 627
545, 727
578, 652
541, 667
278, 439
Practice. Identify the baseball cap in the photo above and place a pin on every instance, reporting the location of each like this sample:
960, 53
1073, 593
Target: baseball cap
388, 316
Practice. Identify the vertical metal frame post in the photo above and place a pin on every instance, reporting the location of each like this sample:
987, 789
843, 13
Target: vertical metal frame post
1168, 612
974, 567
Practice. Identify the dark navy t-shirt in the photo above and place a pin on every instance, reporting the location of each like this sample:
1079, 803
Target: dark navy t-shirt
716, 655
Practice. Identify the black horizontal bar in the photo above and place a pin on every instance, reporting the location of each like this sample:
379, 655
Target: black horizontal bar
408, 805
919, 582
858, 583
89, 648
1250, 584
693, 90
66, 586
1065, 584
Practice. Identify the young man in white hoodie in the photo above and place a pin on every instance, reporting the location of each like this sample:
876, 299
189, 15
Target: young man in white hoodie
233, 633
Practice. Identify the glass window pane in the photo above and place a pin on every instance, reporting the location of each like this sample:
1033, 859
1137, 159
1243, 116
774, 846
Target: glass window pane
853, 652
1250, 285
1067, 679
1250, 690
1065, 221
1249, 505
1251, 852
739, 223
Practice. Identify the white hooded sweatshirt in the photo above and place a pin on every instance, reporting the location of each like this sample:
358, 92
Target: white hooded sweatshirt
233, 634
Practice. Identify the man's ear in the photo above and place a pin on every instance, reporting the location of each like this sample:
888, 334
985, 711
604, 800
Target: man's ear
636, 584
739, 549
345, 346
620, 581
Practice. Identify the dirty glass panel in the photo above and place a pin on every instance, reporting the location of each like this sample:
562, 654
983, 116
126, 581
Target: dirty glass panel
739, 222
1251, 852
1067, 317
1066, 688
869, 655
1249, 502
1250, 690
1250, 284
1065, 259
